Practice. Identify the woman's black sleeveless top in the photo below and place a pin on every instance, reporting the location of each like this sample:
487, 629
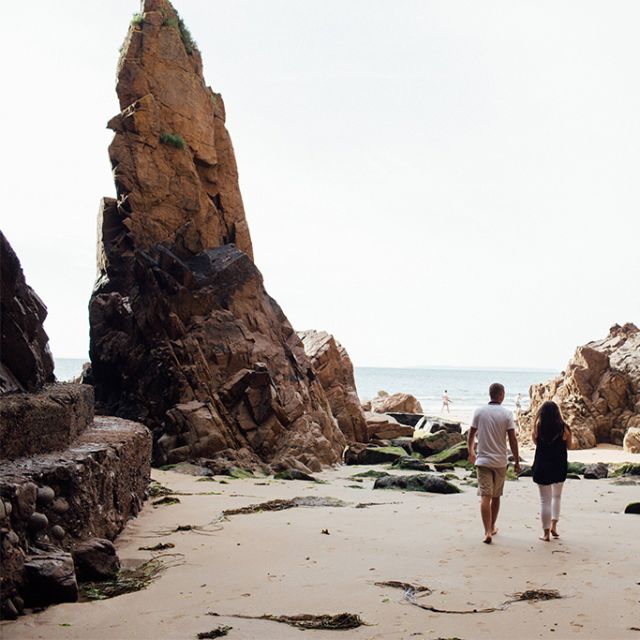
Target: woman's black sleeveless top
550, 461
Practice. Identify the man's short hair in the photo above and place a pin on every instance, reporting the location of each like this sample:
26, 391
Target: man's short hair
496, 390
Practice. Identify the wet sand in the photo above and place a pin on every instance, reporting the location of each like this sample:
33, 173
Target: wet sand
282, 563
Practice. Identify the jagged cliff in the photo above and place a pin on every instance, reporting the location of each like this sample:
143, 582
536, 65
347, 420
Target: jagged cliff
184, 336
25, 360
599, 393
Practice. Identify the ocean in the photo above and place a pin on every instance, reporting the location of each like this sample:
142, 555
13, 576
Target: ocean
467, 388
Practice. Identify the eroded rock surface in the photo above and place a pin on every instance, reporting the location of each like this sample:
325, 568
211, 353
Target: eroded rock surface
394, 403
599, 393
25, 360
334, 369
184, 336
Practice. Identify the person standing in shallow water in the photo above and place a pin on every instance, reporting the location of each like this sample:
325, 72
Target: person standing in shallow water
493, 425
552, 437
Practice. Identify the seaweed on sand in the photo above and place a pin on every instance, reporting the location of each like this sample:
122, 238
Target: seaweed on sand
161, 546
405, 586
309, 621
532, 595
218, 632
167, 500
156, 490
281, 505
129, 580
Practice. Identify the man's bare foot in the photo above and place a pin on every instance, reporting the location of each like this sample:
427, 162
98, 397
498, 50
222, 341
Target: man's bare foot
553, 530
545, 535
554, 533
487, 539
545, 538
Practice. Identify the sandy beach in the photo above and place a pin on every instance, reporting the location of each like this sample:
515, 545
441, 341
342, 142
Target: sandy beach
282, 563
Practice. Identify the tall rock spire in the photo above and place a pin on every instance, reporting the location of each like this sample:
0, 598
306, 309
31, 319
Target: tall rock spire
184, 336
173, 161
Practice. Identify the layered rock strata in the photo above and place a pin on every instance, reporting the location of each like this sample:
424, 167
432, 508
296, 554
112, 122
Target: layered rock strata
334, 369
25, 360
599, 393
184, 336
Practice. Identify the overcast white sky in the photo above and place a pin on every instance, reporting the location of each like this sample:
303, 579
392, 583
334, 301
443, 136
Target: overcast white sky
433, 182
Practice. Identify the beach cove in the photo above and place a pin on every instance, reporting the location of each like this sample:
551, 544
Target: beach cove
327, 560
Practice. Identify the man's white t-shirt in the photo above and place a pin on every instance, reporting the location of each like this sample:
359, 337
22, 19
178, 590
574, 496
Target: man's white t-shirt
492, 422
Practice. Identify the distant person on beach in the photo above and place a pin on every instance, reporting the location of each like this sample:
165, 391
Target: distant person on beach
493, 425
518, 403
445, 402
552, 437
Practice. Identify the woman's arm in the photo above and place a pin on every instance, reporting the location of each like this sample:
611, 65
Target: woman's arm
566, 436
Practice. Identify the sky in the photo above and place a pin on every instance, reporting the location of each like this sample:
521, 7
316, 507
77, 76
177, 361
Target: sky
435, 182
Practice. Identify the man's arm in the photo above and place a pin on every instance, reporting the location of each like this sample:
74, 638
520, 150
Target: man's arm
513, 444
471, 443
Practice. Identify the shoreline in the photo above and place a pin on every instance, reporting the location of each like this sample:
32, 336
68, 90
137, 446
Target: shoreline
281, 563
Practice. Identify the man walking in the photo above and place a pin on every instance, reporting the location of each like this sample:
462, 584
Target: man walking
493, 425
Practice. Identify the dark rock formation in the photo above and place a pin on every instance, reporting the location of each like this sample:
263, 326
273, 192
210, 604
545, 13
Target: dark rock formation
332, 365
599, 393
359, 453
409, 419
184, 336
25, 360
48, 420
95, 559
419, 482
89, 489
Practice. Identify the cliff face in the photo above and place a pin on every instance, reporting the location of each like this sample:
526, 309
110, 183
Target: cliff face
184, 336
334, 369
25, 360
599, 393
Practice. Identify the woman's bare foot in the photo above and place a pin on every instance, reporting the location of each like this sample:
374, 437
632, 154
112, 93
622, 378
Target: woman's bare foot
554, 530
554, 533
545, 536
487, 538
495, 530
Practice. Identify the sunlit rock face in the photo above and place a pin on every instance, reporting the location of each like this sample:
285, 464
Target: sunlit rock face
599, 393
184, 336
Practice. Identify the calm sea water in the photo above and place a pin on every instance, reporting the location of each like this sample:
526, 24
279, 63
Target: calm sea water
467, 388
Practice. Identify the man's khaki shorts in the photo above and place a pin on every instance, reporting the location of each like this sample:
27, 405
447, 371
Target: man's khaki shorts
491, 481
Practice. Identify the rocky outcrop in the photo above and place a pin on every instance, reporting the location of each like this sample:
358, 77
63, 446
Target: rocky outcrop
599, 393
184, 336
25, 360
383, 427
52, 501
394, 403
334, 369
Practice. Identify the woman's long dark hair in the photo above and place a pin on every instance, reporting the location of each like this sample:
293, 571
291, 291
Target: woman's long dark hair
549, 424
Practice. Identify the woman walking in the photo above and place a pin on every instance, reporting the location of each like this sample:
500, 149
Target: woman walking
552, 437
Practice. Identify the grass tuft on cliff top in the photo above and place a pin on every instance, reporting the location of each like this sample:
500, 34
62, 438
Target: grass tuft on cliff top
137, 19
174, 139
185, 35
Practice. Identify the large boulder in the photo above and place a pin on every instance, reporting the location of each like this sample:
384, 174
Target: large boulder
419, 482
433, 443
25, 360
334, 369
95, 559
384, 427
599, 393
394, 403
183, 335
631, 442
50, 578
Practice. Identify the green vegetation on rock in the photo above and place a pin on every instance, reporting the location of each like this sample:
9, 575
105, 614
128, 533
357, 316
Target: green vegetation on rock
452, 454
185, 35
174, 139
576, 467
625, 469
372, 473
137, 20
